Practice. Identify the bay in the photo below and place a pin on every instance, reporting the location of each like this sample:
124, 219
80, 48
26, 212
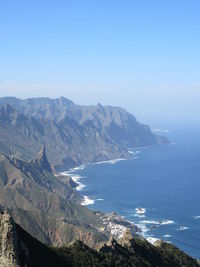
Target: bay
158, 189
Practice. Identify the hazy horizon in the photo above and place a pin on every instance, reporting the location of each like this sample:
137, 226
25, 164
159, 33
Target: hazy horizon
143, 56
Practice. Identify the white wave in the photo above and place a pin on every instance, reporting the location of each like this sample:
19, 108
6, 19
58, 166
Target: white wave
143, 229
72, 170
65, 173
140, 147
81, 167
76, 178
140, 210
87, 201
139, 215
137, 152
99, 199
160, 130
196, 217
134, 152
167, 222
164, 222
112, 161
135, 157
80, 186
167, 236
182, 228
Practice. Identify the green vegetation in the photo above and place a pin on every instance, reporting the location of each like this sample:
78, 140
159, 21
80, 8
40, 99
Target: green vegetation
139, 254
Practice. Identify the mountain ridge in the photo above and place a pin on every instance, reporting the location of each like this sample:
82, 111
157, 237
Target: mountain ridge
48, 206
72, 134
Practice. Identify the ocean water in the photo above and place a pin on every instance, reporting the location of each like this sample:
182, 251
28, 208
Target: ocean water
158, 189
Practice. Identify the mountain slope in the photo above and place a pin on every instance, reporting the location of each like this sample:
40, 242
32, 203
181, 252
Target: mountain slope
43, 205
72, 134
19, 249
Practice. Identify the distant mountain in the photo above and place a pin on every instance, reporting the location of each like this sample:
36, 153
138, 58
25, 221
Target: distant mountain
20, 249
72, 134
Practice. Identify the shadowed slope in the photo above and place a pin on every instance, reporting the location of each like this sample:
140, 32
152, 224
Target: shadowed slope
72, 134
19, 249
43, 205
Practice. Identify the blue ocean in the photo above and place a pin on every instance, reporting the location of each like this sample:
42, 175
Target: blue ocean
158, 189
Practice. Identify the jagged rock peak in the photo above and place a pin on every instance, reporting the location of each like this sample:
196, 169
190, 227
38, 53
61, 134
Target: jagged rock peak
126, 239
66, 101
42, 152
42, 160
8, 242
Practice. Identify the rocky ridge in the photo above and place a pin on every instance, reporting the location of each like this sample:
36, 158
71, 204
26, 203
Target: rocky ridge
48, 206
72, 134
8, 242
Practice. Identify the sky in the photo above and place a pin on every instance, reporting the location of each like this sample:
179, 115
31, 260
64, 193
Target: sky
142, 55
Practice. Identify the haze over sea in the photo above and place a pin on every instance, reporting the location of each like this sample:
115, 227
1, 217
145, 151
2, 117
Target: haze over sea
163, 180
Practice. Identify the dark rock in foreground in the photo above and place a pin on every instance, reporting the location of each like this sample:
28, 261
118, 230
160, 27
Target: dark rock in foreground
19, 249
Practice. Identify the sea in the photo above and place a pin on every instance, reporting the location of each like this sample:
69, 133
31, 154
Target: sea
158, 188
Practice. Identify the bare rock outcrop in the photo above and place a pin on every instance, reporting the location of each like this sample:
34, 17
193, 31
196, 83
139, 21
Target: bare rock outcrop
8, 242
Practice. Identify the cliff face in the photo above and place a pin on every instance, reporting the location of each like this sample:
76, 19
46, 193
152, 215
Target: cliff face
19, 249
72, 134
8, 242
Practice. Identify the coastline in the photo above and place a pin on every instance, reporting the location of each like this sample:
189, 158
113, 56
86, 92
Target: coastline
76, 178
133, 152
114, 224
144, 225
118, 229
71, 172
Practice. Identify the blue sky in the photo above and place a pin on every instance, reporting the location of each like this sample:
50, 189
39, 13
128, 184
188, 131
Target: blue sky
143, 55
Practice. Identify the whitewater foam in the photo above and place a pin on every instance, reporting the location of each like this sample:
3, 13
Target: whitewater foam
139, 215
87, 201
81, 167
167, 236
143, 229
80, 186
140, 210
182, 228
76, 178
164, 222
112, 161
160, 130
137, 152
